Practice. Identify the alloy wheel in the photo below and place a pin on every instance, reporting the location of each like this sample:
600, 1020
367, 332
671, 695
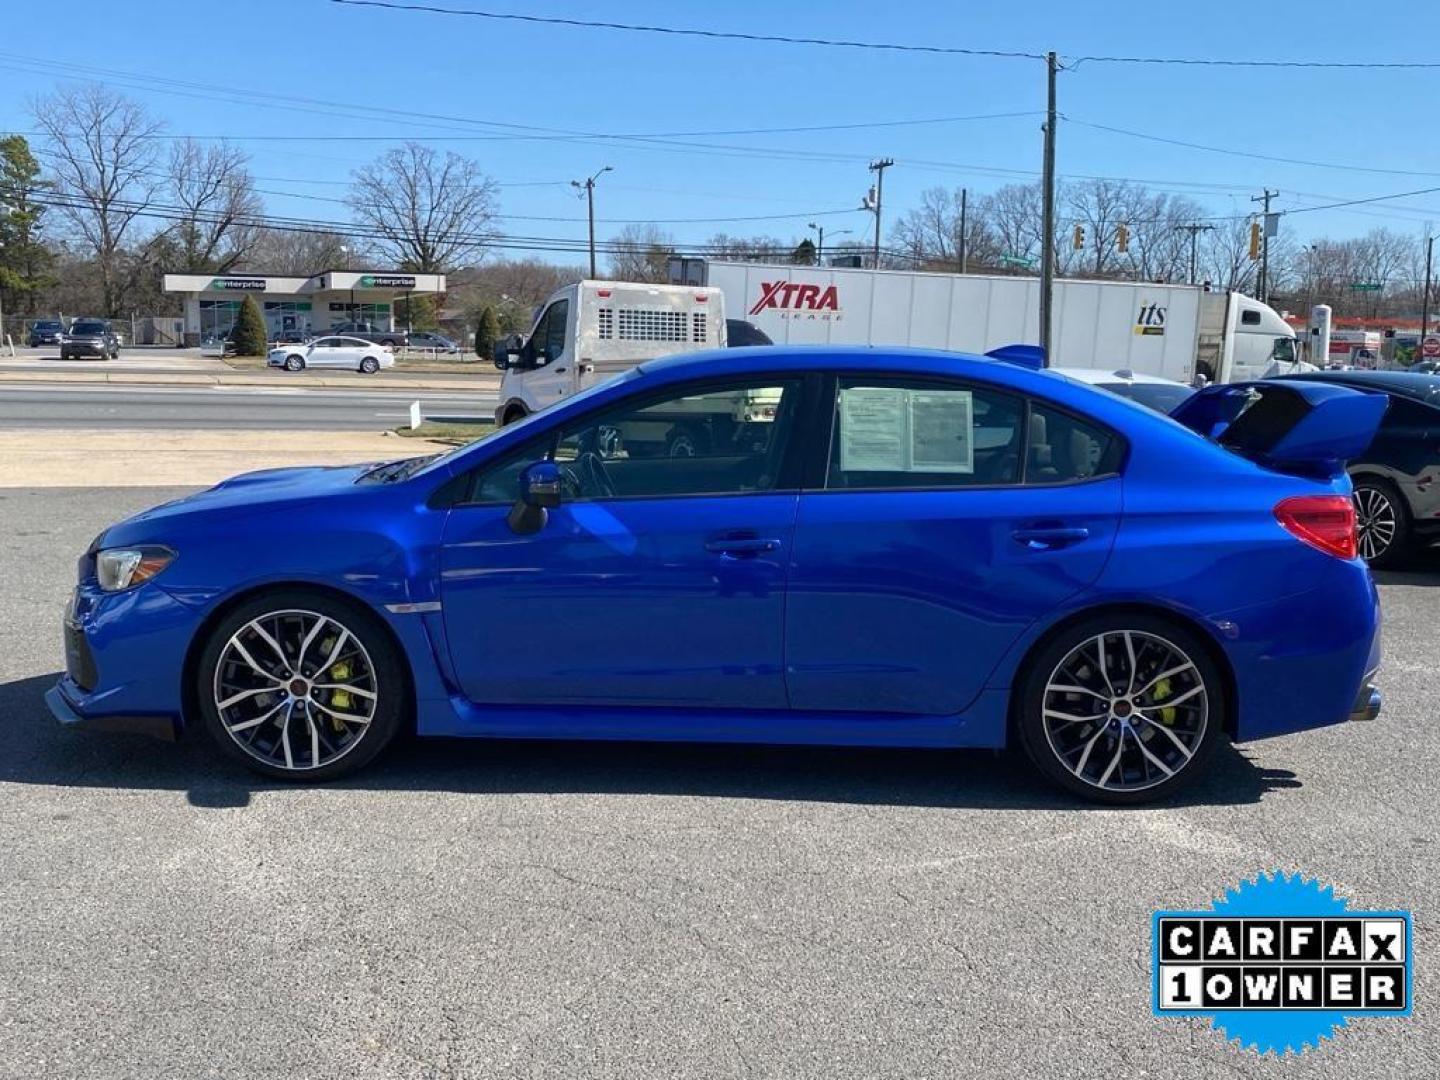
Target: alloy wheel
1376, 523
1125, 710
295, 690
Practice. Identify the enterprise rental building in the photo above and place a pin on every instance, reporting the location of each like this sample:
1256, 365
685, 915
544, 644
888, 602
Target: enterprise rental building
306, 305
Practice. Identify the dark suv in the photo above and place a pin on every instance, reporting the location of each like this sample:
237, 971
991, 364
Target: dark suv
89, 337
46, 332
1397, 480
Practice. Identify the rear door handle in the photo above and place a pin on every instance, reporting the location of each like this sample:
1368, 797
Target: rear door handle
1044, 539
742, 546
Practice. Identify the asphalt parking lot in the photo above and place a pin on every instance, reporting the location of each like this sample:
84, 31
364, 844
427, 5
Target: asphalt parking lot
472, 909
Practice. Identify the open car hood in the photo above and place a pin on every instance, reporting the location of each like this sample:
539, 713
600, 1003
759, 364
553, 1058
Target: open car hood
1311, 428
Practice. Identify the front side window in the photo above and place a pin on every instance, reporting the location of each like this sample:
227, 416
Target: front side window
556, 321
922, 434
726, 440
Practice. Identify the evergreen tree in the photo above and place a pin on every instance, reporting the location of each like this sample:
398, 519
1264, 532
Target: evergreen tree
487, 333
250, 329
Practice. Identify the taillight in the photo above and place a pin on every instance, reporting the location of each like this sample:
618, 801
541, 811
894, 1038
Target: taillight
1326, 522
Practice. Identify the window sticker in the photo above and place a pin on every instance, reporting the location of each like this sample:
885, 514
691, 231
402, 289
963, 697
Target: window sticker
890, 429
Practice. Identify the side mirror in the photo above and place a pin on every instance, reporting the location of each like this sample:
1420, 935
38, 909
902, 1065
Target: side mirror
508, 352
540, 487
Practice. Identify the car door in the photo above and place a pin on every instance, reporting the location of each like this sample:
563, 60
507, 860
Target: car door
950, 517
658, 581
322, 353
552, 375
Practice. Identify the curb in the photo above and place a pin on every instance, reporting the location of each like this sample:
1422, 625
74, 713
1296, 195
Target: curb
138, 378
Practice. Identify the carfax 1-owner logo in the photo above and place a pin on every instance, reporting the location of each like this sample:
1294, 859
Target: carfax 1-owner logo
1280, 962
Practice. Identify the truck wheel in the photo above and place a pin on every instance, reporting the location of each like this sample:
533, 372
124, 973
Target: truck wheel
512, 414
686, 440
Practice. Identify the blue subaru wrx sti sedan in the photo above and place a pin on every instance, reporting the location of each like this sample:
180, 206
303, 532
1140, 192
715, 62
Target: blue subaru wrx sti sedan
865, 547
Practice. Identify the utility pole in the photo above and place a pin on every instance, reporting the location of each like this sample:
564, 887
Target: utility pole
588, 186
1264, 288
1194, 230
964, 196
1047, 228
1425, 296
878, 167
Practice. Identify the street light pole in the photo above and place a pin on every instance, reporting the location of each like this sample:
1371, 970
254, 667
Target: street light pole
819, 243
588, 186
1194, 230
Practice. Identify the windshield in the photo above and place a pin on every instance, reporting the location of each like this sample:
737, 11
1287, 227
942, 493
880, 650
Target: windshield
88, 328
47, 326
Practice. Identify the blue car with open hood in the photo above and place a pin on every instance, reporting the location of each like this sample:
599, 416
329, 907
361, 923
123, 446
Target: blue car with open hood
872, 547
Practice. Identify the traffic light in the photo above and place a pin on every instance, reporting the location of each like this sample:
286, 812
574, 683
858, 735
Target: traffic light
1122, 238
1254, 240
1079, 237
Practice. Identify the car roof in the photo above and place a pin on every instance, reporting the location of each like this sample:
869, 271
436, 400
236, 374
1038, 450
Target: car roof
1411, 384
1101, 376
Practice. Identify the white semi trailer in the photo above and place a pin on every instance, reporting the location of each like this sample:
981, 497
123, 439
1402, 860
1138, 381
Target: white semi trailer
1174, 331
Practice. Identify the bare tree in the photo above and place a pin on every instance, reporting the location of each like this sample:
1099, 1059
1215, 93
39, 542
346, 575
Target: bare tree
102, 151
514, 288
427, 212
1225, 256
287, 251
212, 187
749, 248
641, 253
1013, 215
929, 235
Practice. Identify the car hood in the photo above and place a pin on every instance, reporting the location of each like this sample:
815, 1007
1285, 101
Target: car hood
248, 493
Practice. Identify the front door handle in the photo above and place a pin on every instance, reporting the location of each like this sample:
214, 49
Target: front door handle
742, 546
1051, 537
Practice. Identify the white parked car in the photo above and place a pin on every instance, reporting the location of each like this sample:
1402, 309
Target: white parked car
1157, 393
332, 352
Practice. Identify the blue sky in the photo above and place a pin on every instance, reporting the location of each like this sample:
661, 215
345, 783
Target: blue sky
479, 74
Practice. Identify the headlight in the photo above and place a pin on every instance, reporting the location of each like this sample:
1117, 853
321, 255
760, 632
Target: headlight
122, 568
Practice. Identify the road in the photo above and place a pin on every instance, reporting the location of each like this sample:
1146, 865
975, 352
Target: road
60, 405
536, 910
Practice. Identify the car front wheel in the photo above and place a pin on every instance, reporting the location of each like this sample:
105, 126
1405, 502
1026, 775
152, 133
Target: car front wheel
1121, 708
301, 686
294, 363
1382, 522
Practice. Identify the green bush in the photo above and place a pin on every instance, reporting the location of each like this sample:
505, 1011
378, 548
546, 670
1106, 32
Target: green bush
250, 329
487, 332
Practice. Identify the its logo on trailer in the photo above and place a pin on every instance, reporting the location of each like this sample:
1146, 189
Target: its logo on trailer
1151, 320
794, 300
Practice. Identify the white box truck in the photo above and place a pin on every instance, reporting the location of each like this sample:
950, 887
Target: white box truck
1174, 331
587, 332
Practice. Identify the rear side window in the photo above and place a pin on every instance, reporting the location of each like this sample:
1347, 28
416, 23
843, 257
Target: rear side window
918, 434
1062, 448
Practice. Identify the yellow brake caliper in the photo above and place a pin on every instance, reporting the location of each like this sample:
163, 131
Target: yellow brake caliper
340, 699
1169, 712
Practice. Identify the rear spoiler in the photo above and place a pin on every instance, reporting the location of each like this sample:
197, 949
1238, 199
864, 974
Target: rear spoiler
1291, 426
1026, 356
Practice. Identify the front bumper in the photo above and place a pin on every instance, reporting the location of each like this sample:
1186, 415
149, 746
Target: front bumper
84, 348
58, 701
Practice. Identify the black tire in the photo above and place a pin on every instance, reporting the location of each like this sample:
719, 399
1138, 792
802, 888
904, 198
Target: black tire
512, 414
687, 440
1382, 519
1184, 750
369, 365
294, 363
375, 659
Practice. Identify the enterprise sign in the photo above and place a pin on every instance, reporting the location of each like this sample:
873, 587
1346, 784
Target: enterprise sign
237, 284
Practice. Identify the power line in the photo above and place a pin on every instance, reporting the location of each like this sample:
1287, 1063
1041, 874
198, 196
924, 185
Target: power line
1071, 63
1247, 154
731, 35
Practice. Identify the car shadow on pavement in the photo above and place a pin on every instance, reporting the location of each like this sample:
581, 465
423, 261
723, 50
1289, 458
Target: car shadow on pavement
34, 749
1407, 577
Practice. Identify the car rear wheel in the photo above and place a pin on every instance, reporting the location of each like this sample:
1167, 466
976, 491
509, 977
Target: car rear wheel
301, 686
1121, 708
294, 363
1382, 522
369, 365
